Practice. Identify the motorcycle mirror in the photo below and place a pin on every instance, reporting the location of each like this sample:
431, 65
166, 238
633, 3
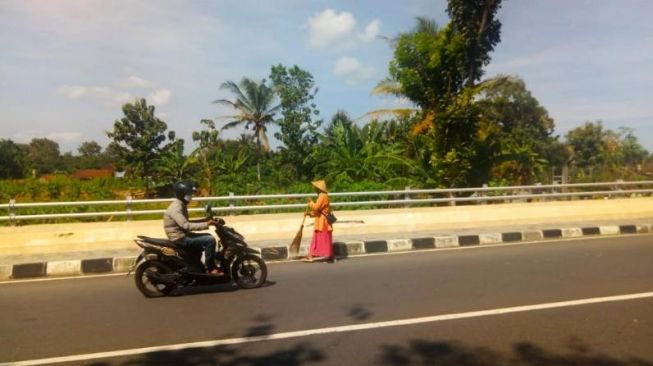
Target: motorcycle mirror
208, 211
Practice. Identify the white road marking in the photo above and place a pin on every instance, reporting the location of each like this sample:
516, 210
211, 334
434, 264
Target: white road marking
328, 330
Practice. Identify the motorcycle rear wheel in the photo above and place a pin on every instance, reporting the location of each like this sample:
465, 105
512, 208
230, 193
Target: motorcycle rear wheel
249, 271
146, 285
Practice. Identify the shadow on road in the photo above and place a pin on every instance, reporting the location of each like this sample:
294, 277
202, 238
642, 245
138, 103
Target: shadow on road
300, 354
416, 352
359, 312
420, 352
222, 287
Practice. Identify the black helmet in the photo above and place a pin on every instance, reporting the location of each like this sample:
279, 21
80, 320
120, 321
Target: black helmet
183, 189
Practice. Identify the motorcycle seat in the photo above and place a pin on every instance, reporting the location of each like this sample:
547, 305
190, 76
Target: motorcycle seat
161, 242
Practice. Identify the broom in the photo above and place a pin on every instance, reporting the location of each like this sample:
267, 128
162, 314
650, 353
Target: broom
294, 246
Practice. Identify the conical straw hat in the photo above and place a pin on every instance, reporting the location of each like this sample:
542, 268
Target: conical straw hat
321, 185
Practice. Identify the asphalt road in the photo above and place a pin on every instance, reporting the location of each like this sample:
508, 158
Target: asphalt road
433, 292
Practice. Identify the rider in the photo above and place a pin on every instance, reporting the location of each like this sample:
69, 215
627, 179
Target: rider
179, 229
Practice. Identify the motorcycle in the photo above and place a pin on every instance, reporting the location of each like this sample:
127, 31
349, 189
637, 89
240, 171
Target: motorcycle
165, 265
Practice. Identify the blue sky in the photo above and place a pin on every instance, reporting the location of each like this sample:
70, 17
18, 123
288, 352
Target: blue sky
66, 67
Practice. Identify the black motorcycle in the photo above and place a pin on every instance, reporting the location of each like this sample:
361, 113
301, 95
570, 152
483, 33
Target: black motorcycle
165, 265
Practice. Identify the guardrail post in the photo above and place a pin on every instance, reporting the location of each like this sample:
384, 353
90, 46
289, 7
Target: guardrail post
407, 196
232, 203
129, 207
482, 195
619, 188
451, 198
538, 184
12, 212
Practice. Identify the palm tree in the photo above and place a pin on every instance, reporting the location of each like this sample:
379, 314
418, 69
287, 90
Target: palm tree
253, 109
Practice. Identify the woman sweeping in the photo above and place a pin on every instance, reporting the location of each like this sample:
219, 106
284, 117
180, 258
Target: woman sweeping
322, 241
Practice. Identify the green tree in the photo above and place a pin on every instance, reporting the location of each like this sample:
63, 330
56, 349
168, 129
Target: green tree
138, 137
253, 106
43, 156
90, 155
475, 23
630, 151
89, 149
437, 69
349, 153
13, 160
515, 132
296, 89
588, 145
599, 153
207, 151
172, 165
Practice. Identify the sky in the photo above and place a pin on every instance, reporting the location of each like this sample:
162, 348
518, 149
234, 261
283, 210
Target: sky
67, 66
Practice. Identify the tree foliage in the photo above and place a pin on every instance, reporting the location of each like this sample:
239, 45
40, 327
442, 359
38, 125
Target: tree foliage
13, 160
138, 138
43, 156
254, 108
515, 132
437, 68
298, 124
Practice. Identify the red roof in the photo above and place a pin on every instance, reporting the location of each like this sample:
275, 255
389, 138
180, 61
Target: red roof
93, 173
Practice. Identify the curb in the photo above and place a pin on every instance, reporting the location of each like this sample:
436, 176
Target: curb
341, 249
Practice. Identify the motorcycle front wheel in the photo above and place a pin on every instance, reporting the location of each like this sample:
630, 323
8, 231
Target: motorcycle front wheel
249, 271
146, 282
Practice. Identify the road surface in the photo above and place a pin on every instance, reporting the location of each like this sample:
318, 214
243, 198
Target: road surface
574, 302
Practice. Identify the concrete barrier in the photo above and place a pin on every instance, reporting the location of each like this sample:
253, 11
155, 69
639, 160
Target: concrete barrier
53, 238
281, 253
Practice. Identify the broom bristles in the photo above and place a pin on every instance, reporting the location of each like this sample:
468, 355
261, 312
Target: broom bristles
294, 246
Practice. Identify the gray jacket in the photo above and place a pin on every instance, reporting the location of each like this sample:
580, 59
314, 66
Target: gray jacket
176, 223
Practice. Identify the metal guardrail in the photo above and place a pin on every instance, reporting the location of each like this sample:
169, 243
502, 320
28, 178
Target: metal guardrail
481, 195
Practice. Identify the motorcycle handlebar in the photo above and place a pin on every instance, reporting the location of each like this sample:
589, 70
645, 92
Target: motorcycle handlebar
218, 222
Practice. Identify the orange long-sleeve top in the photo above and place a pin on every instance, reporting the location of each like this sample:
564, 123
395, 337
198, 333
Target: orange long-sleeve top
316, 210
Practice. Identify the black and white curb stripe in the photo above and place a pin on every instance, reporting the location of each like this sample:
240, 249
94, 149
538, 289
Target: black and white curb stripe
341, 249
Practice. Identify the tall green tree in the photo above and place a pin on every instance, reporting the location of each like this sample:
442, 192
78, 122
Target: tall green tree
13, 160
139, 137
437, 69
474, 21
296, 89
43, 156
254, 108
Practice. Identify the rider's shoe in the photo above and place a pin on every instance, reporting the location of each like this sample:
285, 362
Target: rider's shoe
216, 272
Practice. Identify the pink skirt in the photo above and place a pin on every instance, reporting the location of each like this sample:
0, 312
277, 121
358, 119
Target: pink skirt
322, 244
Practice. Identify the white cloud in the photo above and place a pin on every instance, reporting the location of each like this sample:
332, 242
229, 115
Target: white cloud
352, 70
328, 28
157, 97
371, 31
136, 82
65, 136
98, 92
60, 137
72, 92
160, 97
